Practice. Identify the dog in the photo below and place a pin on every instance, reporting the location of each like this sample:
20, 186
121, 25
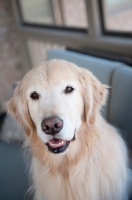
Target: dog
76, 154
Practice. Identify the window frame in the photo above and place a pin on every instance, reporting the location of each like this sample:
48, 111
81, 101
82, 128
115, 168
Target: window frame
94, 38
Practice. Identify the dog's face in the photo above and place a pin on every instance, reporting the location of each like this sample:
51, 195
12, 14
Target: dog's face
55, 99
55, 105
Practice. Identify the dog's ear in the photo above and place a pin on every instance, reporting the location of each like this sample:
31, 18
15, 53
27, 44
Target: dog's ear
17, 107
94, 94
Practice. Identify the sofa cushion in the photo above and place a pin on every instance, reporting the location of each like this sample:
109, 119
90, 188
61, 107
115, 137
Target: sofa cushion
120, 113
13, 174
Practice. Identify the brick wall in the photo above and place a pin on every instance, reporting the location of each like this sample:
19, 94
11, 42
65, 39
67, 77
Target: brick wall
10, 61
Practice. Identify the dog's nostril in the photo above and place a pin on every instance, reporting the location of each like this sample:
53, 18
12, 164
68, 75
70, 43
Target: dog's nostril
45, 128
58, 125
52, 125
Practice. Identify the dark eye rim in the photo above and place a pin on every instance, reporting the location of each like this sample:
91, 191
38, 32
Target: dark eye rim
34, 96
69, 89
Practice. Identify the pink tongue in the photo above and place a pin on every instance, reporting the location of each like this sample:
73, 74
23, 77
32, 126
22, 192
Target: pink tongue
55, 143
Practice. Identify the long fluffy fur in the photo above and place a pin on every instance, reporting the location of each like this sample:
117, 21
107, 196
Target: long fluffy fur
95, 165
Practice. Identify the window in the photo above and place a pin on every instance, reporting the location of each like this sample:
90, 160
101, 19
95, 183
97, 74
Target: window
118, 15
69, 13
96, 27
37, 12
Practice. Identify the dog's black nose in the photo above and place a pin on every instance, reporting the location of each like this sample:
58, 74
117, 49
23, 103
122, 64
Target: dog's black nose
52, 125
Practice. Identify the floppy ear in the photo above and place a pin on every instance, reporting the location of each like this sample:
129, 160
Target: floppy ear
17, 107
94, 95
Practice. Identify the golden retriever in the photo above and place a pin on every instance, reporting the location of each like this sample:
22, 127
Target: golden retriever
76, 154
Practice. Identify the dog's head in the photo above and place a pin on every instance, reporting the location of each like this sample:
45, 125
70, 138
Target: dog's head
53, 101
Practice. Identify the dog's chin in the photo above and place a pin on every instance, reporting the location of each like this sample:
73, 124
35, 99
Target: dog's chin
57, 146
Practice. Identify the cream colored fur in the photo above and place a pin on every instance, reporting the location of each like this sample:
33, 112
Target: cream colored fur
94, 166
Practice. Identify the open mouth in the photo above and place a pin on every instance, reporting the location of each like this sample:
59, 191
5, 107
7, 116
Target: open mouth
58, 145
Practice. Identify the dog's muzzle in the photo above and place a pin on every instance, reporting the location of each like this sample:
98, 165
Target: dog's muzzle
52, 126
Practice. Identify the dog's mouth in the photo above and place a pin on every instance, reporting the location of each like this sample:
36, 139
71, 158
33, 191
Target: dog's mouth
56, 145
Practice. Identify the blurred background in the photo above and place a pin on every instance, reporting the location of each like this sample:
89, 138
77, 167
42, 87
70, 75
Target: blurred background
24, 42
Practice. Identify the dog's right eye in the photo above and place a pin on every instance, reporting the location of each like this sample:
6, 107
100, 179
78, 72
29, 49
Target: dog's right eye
34, 96
69, 89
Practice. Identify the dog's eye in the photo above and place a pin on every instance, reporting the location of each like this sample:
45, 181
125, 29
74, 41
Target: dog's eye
34, 96
69, 89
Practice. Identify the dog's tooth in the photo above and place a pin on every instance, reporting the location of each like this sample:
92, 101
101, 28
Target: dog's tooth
56, 145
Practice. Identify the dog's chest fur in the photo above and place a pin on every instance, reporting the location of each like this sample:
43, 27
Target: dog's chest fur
75, 184
84, 181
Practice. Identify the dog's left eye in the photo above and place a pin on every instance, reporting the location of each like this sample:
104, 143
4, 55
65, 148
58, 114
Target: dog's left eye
34, 96
69, 89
